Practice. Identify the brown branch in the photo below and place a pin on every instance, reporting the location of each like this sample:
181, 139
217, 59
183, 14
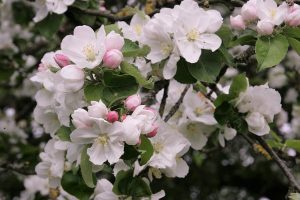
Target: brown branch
164, 99
279, 162
177, 104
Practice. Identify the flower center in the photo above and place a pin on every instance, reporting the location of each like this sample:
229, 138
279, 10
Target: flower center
166, 48
192, 128
89, 52
157, 147
198, 111
192, 35
102, 140
273, 13
138, 29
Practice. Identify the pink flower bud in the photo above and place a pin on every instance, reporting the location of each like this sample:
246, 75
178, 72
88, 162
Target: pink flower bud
42, 67
62, 60
112, 116
293, 16
153, 132
132, 102
248, 12
265, 27
123, 117
114, 41
237, 22
112, 58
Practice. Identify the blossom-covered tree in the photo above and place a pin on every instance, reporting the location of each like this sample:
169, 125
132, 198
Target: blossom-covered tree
136, 99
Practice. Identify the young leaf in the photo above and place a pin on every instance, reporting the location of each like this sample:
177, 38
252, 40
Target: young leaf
64, 133
292, 143
147, 150
93, 92
295, 44
112, 27
270, 51
131, 49
74, 185
121, 184
86, 168
293, 32
208, 67
239, 84
182, 74
133, 71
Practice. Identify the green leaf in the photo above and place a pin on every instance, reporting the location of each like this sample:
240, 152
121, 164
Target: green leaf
93, 92
295, 44
227, 57
133, 71
117, 87
207, 68
225, 33
270, 51
112, 27
63, 133
74, 185
247, 39
293, 32
122, 182
182, 74
292, 143
139, 188
131, 49
221, 99
146, 148
86, 168
50, 25
126, 184
239, 84
227, 114
130, 153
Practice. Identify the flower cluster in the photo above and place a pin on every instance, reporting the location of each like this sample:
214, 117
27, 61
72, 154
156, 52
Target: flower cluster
267, 14
50, 6
260, 103
182, 31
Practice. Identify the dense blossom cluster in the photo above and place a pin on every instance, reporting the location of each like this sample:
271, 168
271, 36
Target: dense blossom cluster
267, 14
92, 96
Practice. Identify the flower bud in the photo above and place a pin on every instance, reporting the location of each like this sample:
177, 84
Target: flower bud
293, 16
114, 41
265, 27
153, 132
237, 22
112, 116
248, 11
257, 124
62, 60
112, 58
132, 102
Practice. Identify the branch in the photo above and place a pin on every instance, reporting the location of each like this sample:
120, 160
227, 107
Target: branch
279, 162
107, 14
164, 99
177, 104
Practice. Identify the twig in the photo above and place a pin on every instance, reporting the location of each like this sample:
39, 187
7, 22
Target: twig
164, 99
20, 170
279, 162
177, 104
